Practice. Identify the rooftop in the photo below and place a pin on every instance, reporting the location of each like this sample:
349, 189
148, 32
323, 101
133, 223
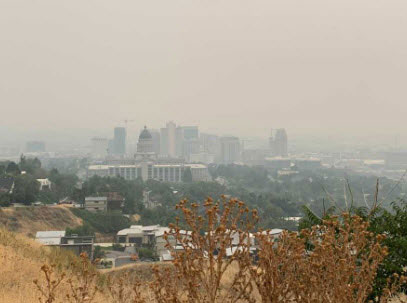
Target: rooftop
96, 198
50, 237
98, 167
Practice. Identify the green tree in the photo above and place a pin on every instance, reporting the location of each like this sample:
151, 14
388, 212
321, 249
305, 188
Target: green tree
63, 185
187, 176
2, 169
83, 230
31, 166
26, 189
5, 199
13, 169
394, 225
110, 222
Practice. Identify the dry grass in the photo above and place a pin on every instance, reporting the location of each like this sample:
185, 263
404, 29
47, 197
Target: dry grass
29, 220
339, 269
20, 260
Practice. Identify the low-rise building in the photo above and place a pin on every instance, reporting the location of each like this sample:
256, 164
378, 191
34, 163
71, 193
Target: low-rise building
165, 172
138, 235
45, 184
152, 236
73, 243
106, 202
200, 172
95, 204
277, 162
308, 164
114, 201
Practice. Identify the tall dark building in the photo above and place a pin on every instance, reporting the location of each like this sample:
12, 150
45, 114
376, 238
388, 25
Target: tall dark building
155, 134
279, 143
119, 141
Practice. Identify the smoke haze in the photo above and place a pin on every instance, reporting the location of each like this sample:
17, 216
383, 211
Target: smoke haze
229, 66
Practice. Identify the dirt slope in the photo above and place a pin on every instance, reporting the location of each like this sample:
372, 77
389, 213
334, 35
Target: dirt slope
29, 220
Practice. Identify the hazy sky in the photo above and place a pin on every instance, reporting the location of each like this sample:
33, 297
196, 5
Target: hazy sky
231, 66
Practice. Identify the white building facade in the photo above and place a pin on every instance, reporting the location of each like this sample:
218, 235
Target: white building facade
150, 170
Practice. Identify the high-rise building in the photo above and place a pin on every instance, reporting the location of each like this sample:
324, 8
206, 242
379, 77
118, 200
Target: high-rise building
100, 147
155, 134
229, 150
190, 132
210, 143
119, 141
187, 141
168, 139
35, 147
279, 144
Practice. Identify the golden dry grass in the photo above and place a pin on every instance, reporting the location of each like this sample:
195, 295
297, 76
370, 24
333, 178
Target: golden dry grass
29, 220
20, 260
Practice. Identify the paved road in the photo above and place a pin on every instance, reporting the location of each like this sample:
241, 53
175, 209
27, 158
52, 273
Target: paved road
121, 261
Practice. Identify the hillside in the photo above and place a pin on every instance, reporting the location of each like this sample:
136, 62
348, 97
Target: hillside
21, 260
20, 263
29, 220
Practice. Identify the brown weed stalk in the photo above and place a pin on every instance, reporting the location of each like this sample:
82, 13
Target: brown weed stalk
203, 254
334, 262
48, 289
122, 290
82, 283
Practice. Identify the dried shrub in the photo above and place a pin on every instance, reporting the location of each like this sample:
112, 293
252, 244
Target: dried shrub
48, 289
333, 262
203, 254
82, 283
213, 261
123, 289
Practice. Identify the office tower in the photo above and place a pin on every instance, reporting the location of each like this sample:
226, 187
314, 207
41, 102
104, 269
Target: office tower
100, 147
155, 134
186, 141
168, 139
189, 141
35, 147
229, 150
190, 132
210, 143
279, 144
119, 141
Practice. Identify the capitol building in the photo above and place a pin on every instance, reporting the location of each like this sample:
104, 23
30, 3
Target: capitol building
148, 166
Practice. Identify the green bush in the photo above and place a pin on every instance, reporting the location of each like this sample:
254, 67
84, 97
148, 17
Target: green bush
109, 222
146, 253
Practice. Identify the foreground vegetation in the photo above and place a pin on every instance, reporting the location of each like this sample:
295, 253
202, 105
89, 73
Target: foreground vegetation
335, 261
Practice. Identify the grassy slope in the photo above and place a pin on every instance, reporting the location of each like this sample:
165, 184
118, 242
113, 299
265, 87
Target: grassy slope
29, 220
20, 261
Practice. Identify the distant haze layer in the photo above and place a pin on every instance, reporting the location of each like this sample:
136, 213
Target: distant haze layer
231, 66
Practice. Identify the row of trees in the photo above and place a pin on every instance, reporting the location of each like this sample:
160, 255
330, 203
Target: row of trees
26, 187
